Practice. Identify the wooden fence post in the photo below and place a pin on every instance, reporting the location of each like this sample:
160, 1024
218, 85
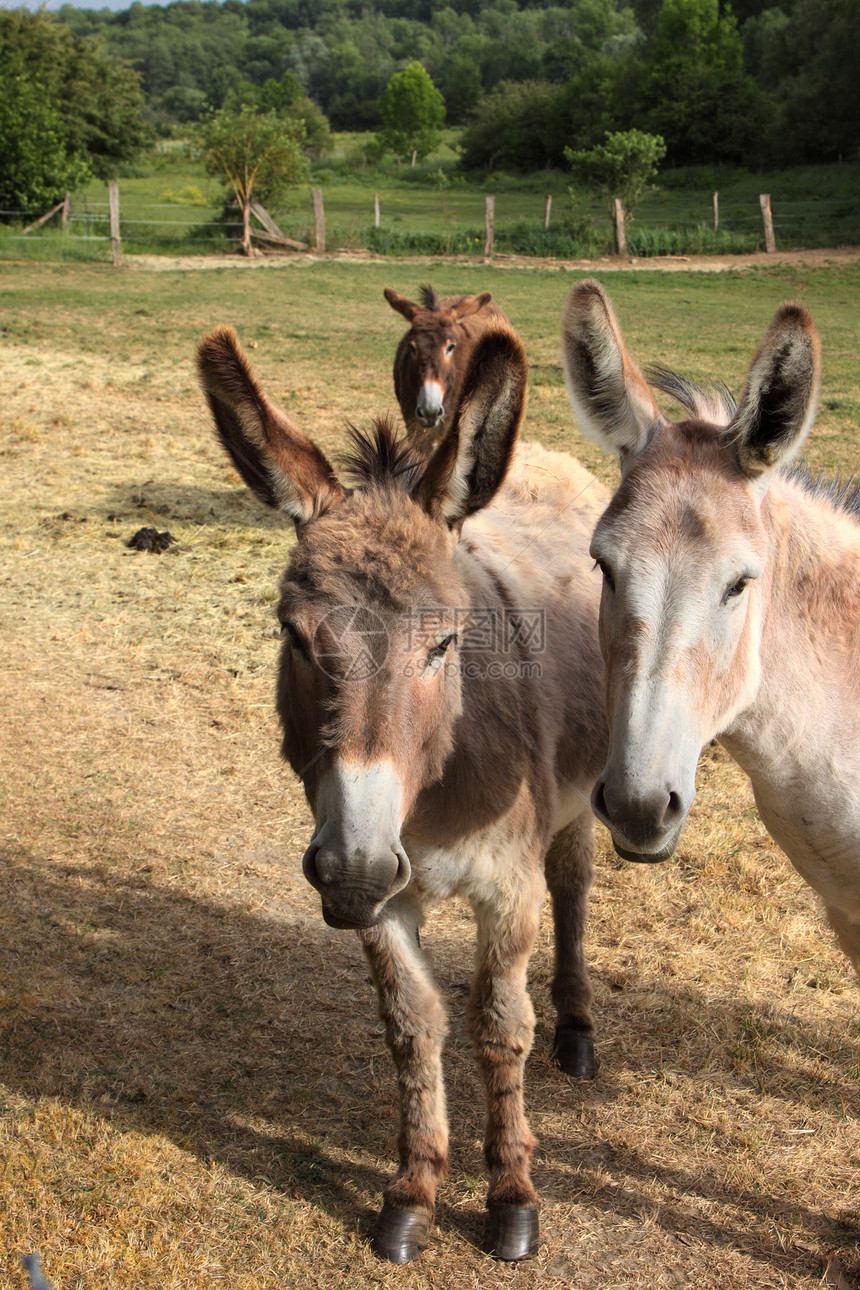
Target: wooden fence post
767, 216
490, 220
376, 210
319, 216
547, 210
716, 211
67, 212
115, 244
620, 235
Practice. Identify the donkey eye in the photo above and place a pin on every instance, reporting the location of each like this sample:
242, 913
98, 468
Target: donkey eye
439, 651
295, 638
413, 348
607, 573
736, 589
450, 347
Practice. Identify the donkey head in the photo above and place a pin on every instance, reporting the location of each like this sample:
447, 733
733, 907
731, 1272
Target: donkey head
369, 684
427, 355
683, 549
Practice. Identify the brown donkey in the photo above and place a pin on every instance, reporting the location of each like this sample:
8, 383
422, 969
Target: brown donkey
433, 355
731, 602
440, 698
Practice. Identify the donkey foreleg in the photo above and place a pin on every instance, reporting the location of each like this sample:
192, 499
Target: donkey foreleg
569, 874
415, 1029
501, 1023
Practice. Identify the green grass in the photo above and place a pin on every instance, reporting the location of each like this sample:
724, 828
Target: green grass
170, 206
704, 325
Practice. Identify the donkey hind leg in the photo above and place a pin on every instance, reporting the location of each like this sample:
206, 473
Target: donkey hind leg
501, 1023
568, 874
847, 933
415, 1028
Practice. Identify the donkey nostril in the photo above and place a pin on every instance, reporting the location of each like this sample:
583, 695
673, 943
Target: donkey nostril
309, 865
674, 808
598, 800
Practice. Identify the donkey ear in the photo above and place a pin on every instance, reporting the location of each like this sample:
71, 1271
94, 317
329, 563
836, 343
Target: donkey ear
778, 404
472, 304
608, 393
470, 463
400, 303
277, 461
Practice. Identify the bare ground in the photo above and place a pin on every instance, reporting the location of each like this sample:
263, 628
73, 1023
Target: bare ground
664, 263
194, 1091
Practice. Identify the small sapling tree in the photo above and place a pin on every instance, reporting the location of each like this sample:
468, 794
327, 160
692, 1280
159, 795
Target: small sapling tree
413, 112
623, 167
258, 154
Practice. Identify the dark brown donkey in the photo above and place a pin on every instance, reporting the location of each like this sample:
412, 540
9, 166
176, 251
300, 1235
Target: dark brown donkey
440, 694
433, 356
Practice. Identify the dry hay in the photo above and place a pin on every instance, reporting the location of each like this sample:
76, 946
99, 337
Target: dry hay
195, 1091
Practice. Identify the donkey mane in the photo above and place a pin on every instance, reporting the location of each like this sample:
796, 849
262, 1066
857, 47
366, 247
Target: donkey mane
842, 494
379, 457
430, 298
716, 403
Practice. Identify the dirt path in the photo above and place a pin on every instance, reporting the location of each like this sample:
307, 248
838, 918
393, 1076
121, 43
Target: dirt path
668, 263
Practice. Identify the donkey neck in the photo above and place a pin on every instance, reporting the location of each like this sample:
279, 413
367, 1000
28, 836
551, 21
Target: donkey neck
810, 642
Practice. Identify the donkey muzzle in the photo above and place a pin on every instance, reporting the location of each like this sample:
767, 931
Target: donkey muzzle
646, 826
355, 859
430, 409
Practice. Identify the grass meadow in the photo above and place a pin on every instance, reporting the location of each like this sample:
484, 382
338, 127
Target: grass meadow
169, 205
194, 1087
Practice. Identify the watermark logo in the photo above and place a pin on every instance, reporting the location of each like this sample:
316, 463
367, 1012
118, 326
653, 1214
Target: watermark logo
352, 642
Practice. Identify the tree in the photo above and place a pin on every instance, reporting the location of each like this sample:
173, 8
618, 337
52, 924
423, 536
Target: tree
36, 163
513, 128
413, 112
288, 99
67, 110
259, 155
624, 166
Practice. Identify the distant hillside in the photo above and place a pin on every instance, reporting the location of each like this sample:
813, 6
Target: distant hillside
757, 85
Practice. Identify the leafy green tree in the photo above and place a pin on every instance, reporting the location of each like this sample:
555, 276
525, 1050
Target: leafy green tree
37, 165
69, 109
694, 91
513, 129
624, 166
258, 154
413, 112
287, 98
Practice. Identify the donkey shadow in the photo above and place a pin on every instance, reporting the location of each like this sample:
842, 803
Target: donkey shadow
162, 501
253, 1042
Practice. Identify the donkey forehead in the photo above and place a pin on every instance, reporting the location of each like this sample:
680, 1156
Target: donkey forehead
378, 546
684, 493
430, 327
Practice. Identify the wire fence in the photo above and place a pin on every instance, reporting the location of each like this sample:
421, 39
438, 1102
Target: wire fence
450, 223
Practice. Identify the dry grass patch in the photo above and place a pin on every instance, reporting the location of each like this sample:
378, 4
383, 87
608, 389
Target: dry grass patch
194, 1090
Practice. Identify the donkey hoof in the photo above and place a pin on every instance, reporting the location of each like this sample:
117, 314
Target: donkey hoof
400, 1234
574, 1053
512, 1232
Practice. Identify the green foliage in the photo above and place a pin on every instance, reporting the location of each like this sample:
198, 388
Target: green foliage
257, 154
624, 166
67, 109
694, 92
36, 164
413, 112
780, 82
515, 128
287, 99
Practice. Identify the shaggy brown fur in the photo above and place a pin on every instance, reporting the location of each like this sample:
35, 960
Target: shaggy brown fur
437, 349
486, 745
